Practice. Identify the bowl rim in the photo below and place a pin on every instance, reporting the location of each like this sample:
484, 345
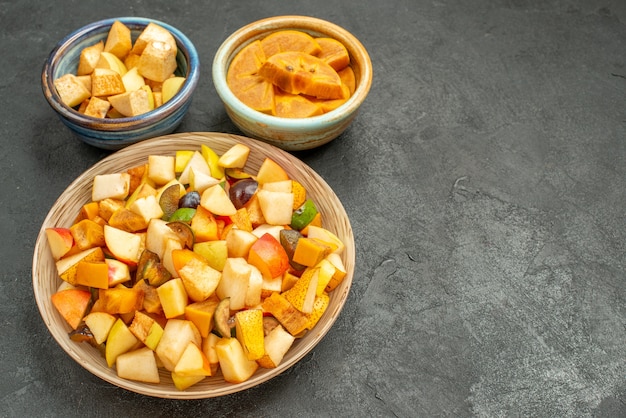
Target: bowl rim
257, 29
185, 46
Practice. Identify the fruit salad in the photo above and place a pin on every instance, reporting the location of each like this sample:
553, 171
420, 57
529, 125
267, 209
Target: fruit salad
192, 265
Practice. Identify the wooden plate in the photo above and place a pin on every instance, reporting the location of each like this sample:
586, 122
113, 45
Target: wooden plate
67, 206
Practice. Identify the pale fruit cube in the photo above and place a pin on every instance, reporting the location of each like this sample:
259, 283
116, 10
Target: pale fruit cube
198, 164
111, 62
133, 80
277, 207
158, 61
89, 57
139, 365
235, 366
200, 279
157, 236
131, 103
119, 341
152, 32
71, 90
238, 242
106, 82
161, 168
177, 334
124, 245
173, 297
97, 107
171, 86
235, 157
100, 323
147, 207
193, 362
271, 171
234, 282
113, 186
277, 343
216, 200
60, 241
118, 40
182, 382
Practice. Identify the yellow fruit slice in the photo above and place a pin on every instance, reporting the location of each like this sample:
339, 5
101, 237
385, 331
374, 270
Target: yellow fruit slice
299, 73
289, 40
334, 53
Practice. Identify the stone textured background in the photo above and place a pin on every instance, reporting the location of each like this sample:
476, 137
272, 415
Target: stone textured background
484, 179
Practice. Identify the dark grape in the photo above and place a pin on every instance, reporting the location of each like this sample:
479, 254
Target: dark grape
241, 191
189, 200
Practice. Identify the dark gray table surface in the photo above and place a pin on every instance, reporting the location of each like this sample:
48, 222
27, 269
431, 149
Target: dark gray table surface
484, 179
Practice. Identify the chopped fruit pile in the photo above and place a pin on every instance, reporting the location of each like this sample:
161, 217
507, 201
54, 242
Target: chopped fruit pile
291, 74
117, 78
192, 265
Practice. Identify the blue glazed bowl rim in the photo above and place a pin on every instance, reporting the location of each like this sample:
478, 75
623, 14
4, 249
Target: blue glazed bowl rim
185, 46
258, 29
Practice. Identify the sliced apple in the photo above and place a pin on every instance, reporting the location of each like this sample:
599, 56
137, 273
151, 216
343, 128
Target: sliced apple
270, 171
214, 252
200, 181
193, 362
171, 86
235, 157
200, 279
146, 329
234, 282
216, 200
239, 242
60, 241
125, 246
113, 185
133, 80
100, 323
277, 343
72, 304
139, 365
235, 366
173, 297
177, 334
161, 169
277, 207
119, 341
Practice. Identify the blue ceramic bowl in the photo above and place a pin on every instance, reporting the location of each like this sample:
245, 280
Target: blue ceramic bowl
114, 134
297, 133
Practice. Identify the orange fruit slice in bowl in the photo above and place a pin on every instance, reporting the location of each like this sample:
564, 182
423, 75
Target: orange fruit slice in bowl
289, 40
334, 53
296, 106
300, 73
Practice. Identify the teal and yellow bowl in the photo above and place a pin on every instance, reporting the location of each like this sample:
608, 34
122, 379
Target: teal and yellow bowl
114, 134
292, 134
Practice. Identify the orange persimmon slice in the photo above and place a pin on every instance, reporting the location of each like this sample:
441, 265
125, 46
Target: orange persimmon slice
256, 92
299, 73
246, 62
334, 53
296, 106
289, 40
243, 79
